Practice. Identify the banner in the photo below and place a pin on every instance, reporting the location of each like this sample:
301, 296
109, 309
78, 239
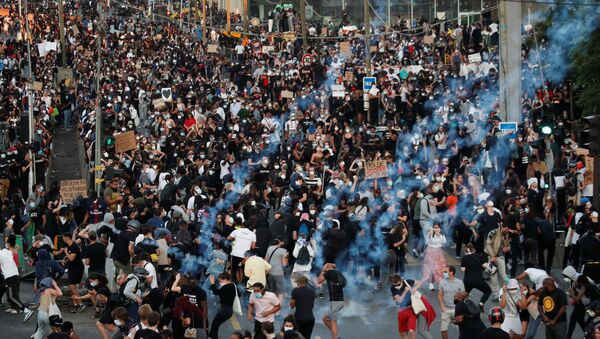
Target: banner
287, 94
376, 169
473, 58
213, 48
345, 48
125, 142
45, 47
71, 189
338, 91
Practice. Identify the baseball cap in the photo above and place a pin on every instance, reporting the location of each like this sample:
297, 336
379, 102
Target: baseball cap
55, 320
496, 315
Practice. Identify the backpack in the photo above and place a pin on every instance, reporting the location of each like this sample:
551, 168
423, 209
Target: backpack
473, 309
122, 289
303, 257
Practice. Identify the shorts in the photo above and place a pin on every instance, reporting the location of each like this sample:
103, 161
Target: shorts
235, 263
74, 275
512, 324
407, 320
446, 319
334, 309
275, 283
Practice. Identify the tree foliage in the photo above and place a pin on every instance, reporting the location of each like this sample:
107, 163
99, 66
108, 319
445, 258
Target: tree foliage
585, 68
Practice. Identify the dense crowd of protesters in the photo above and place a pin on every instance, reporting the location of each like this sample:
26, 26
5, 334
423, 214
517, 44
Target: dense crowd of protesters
253, 181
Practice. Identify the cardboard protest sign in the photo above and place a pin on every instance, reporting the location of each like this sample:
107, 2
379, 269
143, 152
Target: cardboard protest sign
373, 48
338, 91
213, 49
158, 104
588, 176
582, 151
540, 167
71, 189
125, 142
473, 58
167, 94
37, 86
428, 39
345, 48
349, 76
287, 94
376, 169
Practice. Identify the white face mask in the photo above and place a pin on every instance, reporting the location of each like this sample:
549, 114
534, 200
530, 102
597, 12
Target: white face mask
287, 328
63, 220
118, 322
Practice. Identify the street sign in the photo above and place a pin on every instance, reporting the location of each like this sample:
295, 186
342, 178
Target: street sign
368, 83
508, 129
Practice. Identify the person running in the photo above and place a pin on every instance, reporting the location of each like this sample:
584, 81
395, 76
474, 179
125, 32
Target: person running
434, 263
48, 292
335, 285
227, 291
303, 301
10, 284
262, 307
473, 265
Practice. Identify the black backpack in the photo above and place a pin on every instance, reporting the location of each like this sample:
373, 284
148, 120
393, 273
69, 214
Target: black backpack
473, 309
303, 257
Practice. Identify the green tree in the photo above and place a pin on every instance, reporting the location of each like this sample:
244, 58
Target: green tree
585, 68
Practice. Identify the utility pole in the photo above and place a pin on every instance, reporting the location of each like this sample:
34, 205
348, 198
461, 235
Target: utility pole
228, 16
303, 24
61, 28
245, 16
367, 17
30, 100
98, 142
510, 62
204, 32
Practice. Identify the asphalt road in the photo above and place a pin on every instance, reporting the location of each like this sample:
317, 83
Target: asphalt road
367, 313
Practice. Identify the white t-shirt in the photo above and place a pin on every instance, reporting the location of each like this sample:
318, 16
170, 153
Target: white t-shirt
243, 241
7, 264
537, 276
151, 273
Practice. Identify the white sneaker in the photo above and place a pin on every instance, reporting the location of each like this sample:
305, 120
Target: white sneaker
28, 314
431, 287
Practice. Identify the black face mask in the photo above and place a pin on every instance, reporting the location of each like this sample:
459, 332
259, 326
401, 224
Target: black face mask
456, 301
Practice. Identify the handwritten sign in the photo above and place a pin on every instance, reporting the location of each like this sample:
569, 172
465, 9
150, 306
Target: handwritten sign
338, 91
349, 76
345, 48
376, 169
540, 166
213, 48
428, 39
287, 94
37, 85
158, 104
125, 142
588, 176
473, 58
71, 189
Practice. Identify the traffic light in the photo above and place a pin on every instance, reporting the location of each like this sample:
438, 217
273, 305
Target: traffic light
546, 129
593, 132
110, 141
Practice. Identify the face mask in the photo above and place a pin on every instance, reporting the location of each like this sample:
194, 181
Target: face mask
591, 313
63, 220
446, 275
287, 328
298, 183
118, 322
480, 210
258, 295
313, 211
93, 283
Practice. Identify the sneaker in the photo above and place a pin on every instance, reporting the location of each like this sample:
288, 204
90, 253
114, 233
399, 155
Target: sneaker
11, 311
28, 314
431, 287
80, 308
415, 253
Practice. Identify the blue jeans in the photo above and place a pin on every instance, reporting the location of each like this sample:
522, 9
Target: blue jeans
532, 327
67, 118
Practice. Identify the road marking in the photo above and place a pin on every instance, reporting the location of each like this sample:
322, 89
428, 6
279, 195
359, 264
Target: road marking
366, 320
235, 324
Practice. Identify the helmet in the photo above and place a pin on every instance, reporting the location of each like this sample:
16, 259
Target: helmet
140, 272
134, 225
496, 315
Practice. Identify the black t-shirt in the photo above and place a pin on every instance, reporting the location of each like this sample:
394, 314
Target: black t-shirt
305, 302
472, 264
57, 336
493, 333
74, 249
471, 326
488, 222
530, 228
551, 303
120, 251
336, 291
147, 334
196, 295
96, 253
